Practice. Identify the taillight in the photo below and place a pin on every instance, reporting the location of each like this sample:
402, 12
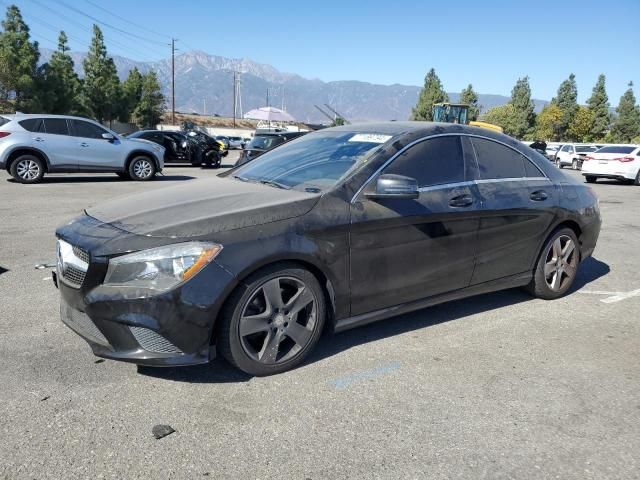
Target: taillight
625, 159
4, 134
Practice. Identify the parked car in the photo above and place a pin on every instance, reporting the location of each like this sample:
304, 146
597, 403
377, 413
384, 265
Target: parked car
572, 154
618, 162
263, 142
235, 142
33, 145
194, 147
176, 144
336, 229
551, 152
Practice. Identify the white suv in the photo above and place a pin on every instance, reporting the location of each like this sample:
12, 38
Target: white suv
619, 162
572, 154
32, 145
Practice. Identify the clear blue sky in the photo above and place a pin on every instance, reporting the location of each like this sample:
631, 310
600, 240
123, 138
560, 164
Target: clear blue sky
488, 43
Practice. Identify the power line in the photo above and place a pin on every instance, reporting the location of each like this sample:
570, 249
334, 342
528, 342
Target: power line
164, 36
108, 39
91, 17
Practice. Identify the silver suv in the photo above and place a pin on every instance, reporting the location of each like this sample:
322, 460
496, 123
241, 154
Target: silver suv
32, 145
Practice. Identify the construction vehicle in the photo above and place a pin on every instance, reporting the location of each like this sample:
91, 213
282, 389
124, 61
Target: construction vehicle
458, 113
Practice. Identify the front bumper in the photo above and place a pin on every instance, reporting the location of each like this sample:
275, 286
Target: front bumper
156, 329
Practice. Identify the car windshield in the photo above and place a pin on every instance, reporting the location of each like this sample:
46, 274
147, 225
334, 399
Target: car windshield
265, 142
312, 163
586, 149
617, 149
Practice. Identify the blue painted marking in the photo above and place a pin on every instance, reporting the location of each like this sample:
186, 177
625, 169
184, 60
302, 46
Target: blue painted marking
343, 382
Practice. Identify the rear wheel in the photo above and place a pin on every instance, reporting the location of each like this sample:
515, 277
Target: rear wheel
590, 179
637, 180
142, 169
124, 175
574, 164
558, 163
27, 169
271, 325
557, 266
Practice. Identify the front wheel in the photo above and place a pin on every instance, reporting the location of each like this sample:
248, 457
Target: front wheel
574, 165
557, 266
27, 169
142, 169
273, 321
590, 179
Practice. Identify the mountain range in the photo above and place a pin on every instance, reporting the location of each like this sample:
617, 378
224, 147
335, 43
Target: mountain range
204, 84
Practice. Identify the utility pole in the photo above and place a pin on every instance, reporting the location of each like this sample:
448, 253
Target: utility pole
235, 94
173, 81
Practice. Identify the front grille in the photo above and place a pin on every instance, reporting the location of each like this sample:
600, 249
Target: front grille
81, 254
74, 276
73, 264
81, 323
152, 341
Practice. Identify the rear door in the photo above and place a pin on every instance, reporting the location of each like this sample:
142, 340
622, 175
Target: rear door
517, 208
408, 249
57, 144
92, 151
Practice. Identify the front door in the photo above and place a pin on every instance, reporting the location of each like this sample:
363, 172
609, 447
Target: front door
92, 151
53, 138
408, 249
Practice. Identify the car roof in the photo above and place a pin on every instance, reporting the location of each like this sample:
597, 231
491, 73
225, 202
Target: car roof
24, 116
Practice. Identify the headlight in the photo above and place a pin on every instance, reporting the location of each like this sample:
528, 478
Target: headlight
161, 268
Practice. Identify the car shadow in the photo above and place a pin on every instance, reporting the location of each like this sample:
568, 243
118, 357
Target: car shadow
220, 371
102, 179
3, 270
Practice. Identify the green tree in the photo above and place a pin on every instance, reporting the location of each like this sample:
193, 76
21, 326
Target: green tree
432, 92
101, 90
131, 94
470, 97
150, 108
580, 129
18, 64
61, 87
567, 100
523, 116
627, 124
548, 123
599, 105
504, 116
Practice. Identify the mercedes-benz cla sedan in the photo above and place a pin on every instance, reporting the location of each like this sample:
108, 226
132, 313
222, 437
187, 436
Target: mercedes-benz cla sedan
333, 230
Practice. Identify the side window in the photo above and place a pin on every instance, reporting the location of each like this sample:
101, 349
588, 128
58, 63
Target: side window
35, 125
565, 148
86, 129
496, 160
433, 162
530, 169
56, 126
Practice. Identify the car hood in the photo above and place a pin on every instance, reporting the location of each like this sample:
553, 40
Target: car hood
202, 207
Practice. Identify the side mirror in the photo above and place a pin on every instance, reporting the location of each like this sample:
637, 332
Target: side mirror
108, 136
394, 186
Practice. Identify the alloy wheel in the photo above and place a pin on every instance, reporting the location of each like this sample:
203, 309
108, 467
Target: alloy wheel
28, 169
278, 321
561, 263
142, 168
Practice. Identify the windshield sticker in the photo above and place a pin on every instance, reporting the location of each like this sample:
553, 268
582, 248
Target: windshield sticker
370, 138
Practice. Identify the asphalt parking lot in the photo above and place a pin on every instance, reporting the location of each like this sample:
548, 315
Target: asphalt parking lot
497, 386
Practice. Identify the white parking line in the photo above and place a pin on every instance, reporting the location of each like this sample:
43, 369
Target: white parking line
612, 297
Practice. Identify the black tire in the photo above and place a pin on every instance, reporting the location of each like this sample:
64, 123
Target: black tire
27, 169
637, 180
275, 326
124, 175
142, 168
590, 179
543, 284
574, 164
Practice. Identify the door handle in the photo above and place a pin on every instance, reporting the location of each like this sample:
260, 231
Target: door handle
39, 139
461, 201
538, 196
83, 144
